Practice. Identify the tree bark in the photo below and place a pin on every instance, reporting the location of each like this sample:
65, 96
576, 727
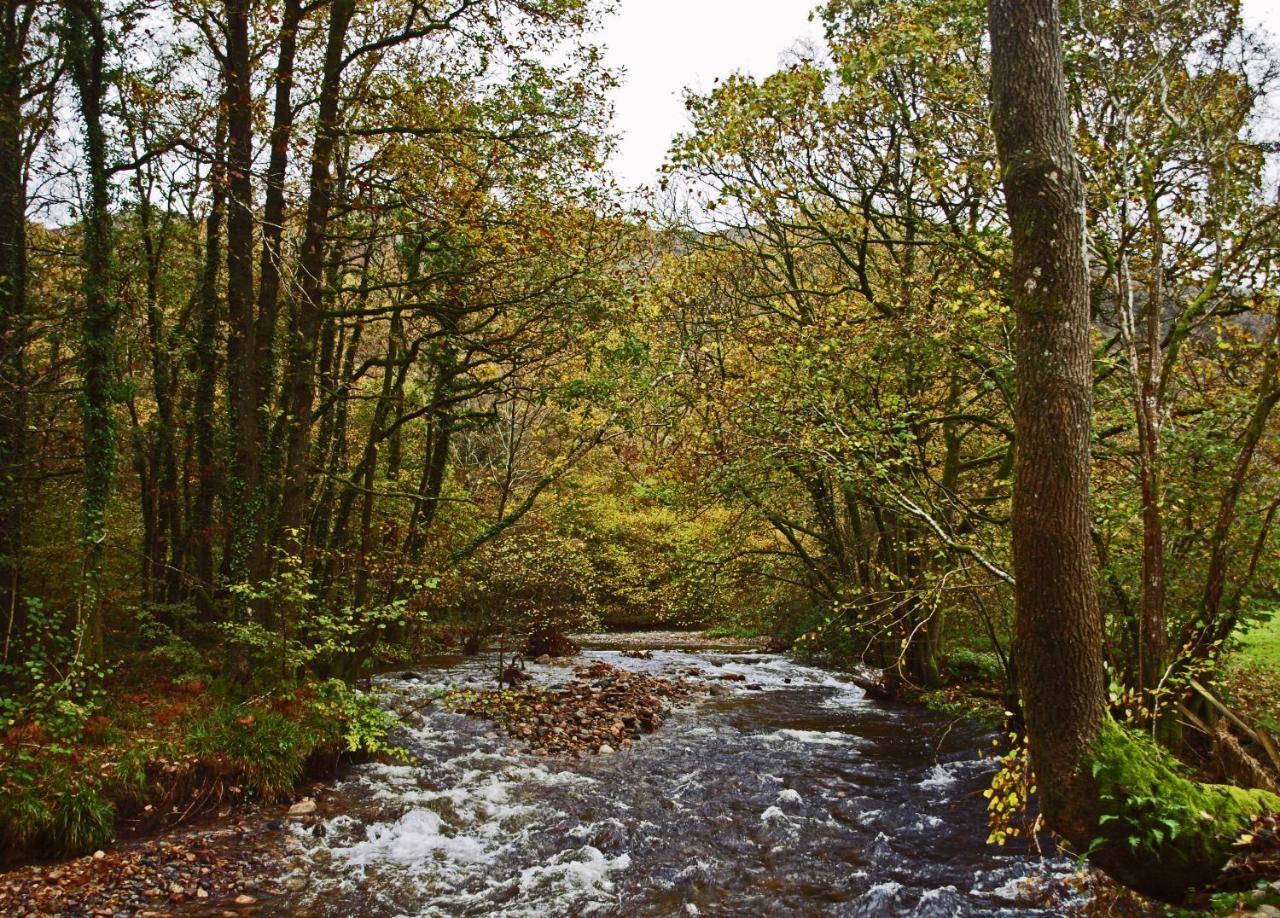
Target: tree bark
245, 555
15, 21
200, 530
274, 207
1058, 634
1106, 791
86, 48
301, 373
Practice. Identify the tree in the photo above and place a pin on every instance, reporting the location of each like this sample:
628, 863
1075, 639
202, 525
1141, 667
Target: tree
86, 44
17, 23
1102, 789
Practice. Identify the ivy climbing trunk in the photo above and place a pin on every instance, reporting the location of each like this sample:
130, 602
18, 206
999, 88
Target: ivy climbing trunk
86, 47
245, 556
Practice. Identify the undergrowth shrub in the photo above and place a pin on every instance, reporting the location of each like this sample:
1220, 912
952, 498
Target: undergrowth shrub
266, 747
51, 807
967, 664
162, 633
83, 819
52, 685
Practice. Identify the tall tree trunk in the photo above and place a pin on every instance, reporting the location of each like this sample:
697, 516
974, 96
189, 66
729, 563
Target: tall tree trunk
245, 558
15, 20
86, 48
301, 373
1104, 790
209, 473
163, 575
435, 464
274, 207
1058, 642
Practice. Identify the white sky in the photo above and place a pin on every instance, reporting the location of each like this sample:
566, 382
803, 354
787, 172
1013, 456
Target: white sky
667, 45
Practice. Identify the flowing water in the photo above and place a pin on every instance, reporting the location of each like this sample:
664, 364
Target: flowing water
790, 795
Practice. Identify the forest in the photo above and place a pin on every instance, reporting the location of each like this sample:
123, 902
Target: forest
938, 367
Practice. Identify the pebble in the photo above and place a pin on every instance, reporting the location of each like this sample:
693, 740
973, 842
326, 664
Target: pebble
150, 876
304, 807
602, 707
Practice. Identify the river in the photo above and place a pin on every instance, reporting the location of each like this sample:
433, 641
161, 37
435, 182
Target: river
790, 795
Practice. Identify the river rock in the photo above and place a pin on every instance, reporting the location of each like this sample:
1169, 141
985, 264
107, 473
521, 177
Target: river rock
304, 807
605, 749
601, 707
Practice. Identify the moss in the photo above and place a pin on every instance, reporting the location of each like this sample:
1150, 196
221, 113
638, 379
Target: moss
1161, 832
974, 665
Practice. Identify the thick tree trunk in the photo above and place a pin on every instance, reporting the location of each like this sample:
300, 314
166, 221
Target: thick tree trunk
1059, 623
86, 48
245, 555
1104, 790
14, 22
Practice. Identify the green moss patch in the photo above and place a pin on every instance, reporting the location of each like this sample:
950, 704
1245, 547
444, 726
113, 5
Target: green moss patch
1161, 831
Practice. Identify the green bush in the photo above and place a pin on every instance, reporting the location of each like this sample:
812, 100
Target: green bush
268, 748
83, 819
972, 665
51, 684
51, 808
354, 718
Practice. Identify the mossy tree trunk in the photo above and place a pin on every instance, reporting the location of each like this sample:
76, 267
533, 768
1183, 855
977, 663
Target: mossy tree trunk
1117, 796
85, 42
1059, 624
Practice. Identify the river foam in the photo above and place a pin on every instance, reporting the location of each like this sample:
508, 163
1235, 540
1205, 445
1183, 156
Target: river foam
785, 793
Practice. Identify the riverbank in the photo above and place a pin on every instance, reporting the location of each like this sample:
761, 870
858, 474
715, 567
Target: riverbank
775, 785
161, 755
227, 866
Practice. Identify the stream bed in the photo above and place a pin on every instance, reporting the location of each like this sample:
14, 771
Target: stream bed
791, 794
